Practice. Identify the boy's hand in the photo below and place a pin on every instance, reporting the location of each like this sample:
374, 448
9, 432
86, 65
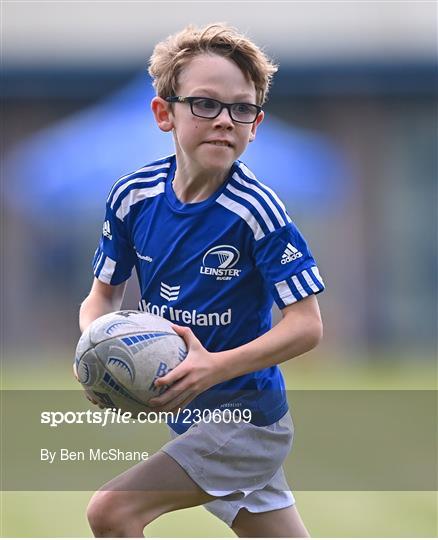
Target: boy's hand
195, 374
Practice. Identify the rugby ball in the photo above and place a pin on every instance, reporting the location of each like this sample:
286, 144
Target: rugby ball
121, 354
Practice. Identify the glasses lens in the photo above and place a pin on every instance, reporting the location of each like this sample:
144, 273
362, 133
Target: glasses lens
207, 108
244, 112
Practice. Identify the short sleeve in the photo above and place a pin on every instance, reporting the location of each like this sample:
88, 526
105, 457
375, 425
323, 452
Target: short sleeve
287, 266
114, 257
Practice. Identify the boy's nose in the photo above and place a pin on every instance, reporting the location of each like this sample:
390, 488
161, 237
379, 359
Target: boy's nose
224, 117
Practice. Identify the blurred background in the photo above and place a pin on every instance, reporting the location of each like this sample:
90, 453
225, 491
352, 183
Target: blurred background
351, 120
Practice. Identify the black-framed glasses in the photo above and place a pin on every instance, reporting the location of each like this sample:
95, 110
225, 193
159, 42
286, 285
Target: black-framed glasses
204, 107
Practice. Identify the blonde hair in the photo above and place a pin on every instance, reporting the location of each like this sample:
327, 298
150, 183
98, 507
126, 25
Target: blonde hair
171, 55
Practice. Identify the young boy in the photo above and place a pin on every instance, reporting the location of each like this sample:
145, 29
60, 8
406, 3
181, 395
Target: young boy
213, 248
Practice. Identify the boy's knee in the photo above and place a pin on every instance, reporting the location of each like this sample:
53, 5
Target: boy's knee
108, 514
112, 514
103, 514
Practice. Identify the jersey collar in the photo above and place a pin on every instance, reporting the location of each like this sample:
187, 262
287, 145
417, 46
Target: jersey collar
191, 208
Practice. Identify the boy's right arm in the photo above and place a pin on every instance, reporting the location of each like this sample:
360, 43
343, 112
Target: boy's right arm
101, 300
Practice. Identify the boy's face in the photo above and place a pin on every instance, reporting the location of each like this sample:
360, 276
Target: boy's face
219, 78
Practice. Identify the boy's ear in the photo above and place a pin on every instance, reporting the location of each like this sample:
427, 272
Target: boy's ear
258, 121
162, 113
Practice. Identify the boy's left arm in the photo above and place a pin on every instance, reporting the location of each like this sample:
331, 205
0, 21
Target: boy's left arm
299, 331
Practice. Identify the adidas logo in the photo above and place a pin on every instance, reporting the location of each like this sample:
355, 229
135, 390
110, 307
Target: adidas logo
169, 293
290, 254
106, 231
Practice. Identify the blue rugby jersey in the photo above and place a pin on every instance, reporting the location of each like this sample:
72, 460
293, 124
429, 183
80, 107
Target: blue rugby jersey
215, 266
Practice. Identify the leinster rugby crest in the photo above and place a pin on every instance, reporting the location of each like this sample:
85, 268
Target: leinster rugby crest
220, 262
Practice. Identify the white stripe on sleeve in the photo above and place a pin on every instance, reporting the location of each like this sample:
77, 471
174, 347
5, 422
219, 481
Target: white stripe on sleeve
137, 195
252, 200
135, 181
250, 174
299, 287
243, 212
107, 270
263, 195
317, 275
144, 169
310, 281
285, 292
96, 265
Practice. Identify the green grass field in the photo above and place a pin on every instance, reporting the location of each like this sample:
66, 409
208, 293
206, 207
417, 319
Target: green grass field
326, 513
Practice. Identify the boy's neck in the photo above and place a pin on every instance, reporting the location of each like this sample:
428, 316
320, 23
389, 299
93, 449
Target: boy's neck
196, 187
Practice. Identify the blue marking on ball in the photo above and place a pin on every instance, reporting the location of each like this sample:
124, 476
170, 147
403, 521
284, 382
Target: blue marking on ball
121, 363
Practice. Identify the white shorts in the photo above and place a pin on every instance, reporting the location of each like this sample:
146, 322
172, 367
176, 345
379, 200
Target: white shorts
239, 463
